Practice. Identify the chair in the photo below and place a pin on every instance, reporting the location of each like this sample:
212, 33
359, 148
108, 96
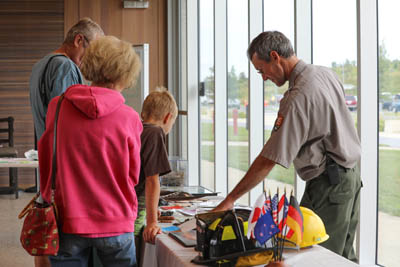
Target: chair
7, 150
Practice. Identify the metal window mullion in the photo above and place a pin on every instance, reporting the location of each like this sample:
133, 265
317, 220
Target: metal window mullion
256, 95
221, 128
173, 75
193, 92
367, 52
303, 48
182, 54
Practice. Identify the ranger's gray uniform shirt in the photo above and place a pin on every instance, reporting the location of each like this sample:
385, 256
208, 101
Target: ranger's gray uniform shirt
61, 73
313, 121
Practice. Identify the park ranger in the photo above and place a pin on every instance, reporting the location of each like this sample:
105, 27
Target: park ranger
314, 130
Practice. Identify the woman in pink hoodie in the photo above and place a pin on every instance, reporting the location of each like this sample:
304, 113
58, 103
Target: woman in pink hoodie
98, 159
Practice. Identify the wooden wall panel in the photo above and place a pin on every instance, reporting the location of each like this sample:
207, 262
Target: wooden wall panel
71, 14
110, 24
163, 39
92, 9
29, 29
133, 25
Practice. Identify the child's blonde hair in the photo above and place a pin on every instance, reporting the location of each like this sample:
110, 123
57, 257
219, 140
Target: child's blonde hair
159, 103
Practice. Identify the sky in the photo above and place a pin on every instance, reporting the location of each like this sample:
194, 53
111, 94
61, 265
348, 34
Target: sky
334, 30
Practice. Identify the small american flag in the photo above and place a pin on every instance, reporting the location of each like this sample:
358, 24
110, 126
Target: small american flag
274, 208
283, 207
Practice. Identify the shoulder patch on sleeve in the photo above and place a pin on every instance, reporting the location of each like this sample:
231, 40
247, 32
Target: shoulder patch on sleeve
278, 122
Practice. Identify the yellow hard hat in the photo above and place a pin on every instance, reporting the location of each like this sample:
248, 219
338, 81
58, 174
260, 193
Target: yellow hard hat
314, 229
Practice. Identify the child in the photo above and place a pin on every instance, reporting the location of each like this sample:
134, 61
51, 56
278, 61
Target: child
158, 114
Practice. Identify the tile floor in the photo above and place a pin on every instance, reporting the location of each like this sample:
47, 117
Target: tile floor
11, 252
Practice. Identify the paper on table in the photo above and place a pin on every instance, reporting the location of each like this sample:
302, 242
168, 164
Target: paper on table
189, 225
190, 211
31, 154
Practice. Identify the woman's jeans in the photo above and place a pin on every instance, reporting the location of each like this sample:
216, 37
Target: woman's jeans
113, 251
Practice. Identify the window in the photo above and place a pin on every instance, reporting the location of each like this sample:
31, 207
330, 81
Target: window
238, 92
283, 22
337, 49
389, 134
333, 48
206, 75
326, 34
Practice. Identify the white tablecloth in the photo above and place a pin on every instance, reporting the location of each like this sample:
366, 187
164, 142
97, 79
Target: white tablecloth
168, 252
18, 163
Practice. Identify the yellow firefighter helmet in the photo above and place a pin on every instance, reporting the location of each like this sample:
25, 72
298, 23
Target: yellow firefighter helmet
314, 229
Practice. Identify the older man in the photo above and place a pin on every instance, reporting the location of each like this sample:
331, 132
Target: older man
57, 71
54, 73
314, 130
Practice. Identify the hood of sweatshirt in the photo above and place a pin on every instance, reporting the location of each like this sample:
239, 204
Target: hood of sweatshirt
94, 102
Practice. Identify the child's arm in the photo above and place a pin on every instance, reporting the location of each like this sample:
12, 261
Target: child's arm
152, 193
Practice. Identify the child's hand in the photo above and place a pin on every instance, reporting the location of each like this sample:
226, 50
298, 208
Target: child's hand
150, 232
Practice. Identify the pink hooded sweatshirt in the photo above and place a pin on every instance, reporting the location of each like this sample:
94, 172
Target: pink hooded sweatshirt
98, 161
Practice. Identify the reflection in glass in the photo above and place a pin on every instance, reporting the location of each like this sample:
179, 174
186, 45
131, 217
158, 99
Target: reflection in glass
389, 134
283, 22
206, 61
238, 93
337, 49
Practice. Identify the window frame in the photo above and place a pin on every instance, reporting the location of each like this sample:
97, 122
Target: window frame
367, 60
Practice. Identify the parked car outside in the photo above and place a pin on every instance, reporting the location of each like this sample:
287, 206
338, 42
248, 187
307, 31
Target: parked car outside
386, 101
396, 103
351, 102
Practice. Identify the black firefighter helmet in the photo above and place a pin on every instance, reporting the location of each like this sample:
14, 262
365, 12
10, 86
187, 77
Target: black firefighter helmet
222, 240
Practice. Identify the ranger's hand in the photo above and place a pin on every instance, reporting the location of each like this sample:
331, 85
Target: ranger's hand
226, 204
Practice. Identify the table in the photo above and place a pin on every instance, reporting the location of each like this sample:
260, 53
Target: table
168, 252
15, 163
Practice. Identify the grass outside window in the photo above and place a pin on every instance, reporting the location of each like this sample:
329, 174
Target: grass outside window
389, 168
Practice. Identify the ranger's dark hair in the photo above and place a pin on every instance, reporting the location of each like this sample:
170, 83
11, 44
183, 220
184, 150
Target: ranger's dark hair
269, 41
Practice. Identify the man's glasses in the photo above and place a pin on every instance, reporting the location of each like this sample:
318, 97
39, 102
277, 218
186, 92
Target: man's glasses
87, 41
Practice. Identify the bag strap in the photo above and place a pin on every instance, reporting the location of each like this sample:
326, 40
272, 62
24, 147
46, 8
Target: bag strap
54, 160
28, 206
42, 85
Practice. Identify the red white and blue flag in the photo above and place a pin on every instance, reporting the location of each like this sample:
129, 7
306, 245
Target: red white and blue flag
267, 203
283, 207
261, 224
265, 228
274, 208
258, 210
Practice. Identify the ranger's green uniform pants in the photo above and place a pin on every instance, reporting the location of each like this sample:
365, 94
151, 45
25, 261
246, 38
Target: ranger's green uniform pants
339, 208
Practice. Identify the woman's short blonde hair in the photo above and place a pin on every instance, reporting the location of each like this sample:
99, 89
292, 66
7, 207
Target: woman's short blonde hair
110, 60
158, 104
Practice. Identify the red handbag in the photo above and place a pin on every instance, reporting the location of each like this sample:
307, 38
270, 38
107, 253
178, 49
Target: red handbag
39, 235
